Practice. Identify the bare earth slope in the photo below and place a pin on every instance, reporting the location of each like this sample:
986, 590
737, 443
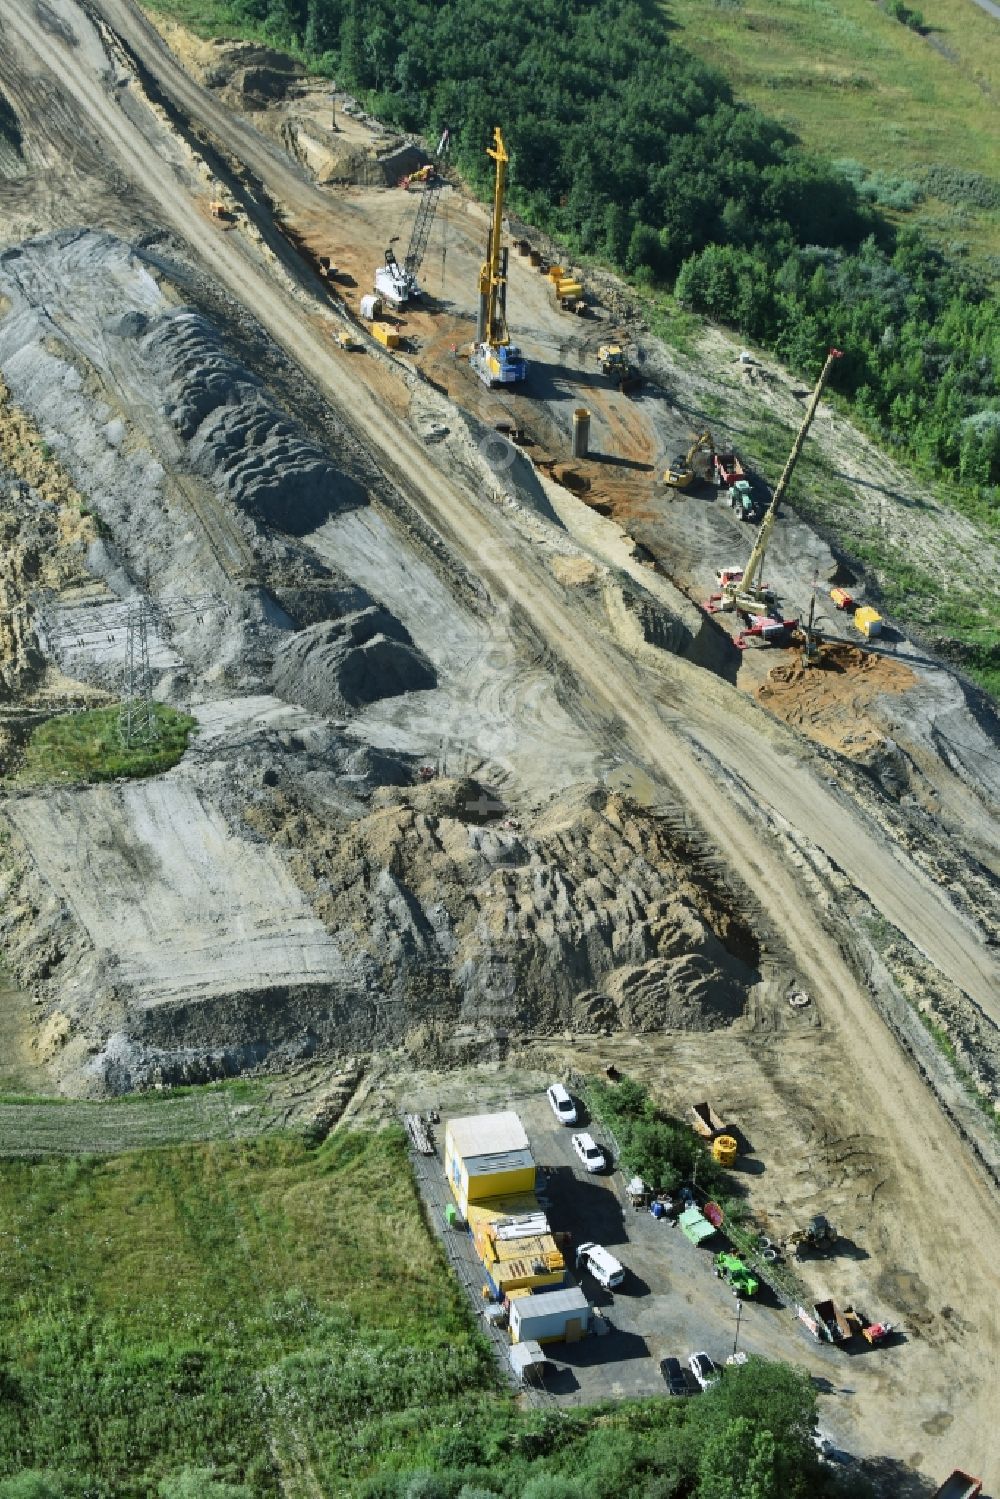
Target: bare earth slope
542, 817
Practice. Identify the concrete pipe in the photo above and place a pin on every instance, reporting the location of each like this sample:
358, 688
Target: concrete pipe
581, 432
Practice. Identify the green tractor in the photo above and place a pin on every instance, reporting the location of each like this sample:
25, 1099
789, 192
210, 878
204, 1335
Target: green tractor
731, 1269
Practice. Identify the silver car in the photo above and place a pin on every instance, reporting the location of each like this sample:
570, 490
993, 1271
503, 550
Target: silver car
561, 1104
705, 1370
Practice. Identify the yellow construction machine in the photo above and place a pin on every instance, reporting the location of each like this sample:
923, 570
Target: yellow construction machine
615, 363
494, 358
681, 473
741, 587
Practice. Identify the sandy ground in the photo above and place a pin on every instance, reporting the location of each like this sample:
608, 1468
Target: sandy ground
581, 688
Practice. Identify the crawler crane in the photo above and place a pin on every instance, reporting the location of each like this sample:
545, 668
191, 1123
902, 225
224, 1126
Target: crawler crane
741, 587
494, 358
397, 284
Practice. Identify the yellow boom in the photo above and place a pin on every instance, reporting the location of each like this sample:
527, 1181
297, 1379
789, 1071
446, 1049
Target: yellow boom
492, 328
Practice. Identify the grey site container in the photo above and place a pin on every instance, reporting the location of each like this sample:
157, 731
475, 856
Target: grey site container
550, 1317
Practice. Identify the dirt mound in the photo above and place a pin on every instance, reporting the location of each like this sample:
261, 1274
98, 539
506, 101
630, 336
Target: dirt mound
238, 439
340, 664
252, 77
591, 912
828, 701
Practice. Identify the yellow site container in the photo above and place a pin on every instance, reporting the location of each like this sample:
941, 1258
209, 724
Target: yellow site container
569, 289
868, 621
724, 1149
386, 335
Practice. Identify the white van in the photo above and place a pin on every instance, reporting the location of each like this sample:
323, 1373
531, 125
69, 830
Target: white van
602, 1265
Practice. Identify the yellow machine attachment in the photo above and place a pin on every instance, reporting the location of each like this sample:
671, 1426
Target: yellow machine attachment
680, 474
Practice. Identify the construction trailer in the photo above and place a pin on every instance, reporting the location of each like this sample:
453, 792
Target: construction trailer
561, 1316
495, 359
487, 1157
515, 1245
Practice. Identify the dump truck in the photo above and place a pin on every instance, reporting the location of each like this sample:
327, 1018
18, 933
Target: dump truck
826, 1322
731, 1269
959, 1485
705, 1121
729, 470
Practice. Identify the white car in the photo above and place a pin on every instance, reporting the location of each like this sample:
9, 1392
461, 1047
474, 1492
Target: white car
606, 1270
561, 1104
705, 1370
589, 1151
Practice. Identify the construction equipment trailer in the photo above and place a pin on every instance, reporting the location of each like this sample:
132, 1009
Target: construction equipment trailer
741, 587
495, 359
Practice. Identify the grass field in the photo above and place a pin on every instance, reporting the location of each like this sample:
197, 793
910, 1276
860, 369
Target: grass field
256, 1318
259, 1309
87, 747
857, 85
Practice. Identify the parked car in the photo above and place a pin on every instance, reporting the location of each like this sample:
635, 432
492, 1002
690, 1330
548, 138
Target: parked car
606, 1270
675, 1376
561, 1104
705, 1370
589, 1151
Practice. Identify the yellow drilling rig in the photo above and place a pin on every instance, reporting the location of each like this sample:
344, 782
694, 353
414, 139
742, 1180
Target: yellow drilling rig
494, 358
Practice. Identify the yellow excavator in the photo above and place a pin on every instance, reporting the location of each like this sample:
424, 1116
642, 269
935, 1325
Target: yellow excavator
680, 474
741, 587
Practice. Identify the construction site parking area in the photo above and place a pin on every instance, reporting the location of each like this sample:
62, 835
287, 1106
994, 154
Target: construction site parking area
671, 1303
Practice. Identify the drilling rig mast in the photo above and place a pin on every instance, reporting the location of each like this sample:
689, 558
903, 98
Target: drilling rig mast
494, 358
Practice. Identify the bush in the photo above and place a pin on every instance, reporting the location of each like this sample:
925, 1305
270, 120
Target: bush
664, 1151
88, 747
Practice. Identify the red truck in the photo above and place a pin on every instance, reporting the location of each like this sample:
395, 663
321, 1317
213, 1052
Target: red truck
728, 469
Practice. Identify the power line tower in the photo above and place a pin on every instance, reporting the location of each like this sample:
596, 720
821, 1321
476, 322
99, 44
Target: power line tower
137, 717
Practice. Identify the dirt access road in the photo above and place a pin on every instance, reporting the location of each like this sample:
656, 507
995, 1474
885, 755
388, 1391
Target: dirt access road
710, 750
